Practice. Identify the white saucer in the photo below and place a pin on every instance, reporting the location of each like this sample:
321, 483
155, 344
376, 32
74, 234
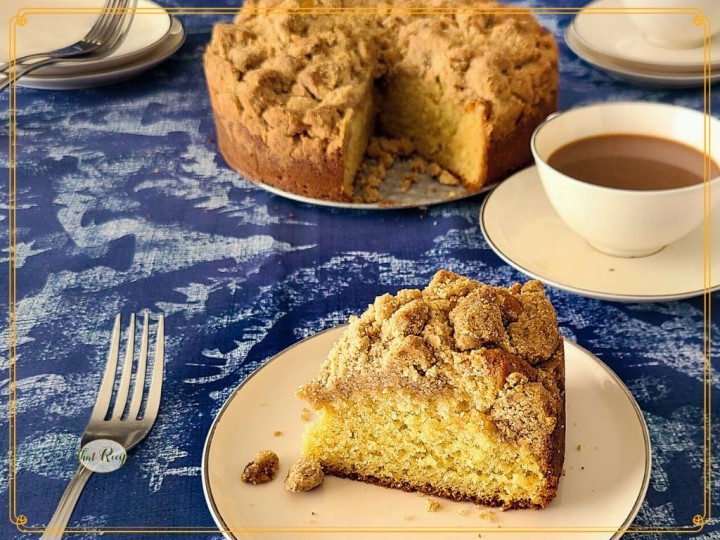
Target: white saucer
614, 35
46, 31
635, 75
172, 41
520, 225
600, 493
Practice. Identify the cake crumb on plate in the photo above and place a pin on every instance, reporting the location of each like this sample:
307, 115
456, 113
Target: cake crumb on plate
432, 505
486, 514
262, 469
304, 475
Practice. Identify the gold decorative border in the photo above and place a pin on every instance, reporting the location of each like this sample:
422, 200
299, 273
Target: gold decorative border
21, 19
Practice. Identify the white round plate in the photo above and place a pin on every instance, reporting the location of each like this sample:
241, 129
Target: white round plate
633, 74
173, 40
604, 484
46, 32
614, 35
521, 226
425, 192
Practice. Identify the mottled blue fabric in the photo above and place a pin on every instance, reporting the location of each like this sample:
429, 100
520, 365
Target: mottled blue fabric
124, 205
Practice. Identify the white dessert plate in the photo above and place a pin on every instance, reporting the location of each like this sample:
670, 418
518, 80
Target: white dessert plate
521, 226
172, 41
45, 31
425, 192
636, 75
607, 466
614, 35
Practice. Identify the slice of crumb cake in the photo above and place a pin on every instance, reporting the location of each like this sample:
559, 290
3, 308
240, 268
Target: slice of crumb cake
456, 390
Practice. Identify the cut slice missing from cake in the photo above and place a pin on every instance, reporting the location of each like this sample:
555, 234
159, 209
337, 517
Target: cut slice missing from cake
456, 390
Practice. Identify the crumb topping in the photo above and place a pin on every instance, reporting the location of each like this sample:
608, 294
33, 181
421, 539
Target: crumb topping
296, 78
304, 475
262, 469
497, 346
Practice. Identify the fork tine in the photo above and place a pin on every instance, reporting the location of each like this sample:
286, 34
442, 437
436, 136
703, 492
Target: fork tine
106, 386
122, 393
102, 21
111, 16
120, 26
140, 375
153, 402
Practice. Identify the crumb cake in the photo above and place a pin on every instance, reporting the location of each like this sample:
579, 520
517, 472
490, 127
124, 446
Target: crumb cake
456, 390
296, 96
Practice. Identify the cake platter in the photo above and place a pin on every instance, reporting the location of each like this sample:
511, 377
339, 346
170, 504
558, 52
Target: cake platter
425, 192
521, 226
607, 465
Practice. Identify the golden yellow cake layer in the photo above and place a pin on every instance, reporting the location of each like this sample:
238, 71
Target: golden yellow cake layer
455, 390
296, 96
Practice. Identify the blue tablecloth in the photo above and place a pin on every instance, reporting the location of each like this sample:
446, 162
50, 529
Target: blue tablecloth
124, 205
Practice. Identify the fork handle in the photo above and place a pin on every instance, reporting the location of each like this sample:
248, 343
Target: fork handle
4, 66
60, 518
24, 70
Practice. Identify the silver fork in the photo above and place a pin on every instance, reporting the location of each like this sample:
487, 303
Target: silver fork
127, 430
106, 35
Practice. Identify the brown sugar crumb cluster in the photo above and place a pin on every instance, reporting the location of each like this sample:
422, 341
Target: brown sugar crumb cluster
304, 475
499, 346
262, 469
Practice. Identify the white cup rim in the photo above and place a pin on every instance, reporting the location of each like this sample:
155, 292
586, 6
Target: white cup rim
631, 192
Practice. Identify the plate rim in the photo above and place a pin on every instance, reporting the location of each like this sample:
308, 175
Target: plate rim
363, 206
590, 293
228, 533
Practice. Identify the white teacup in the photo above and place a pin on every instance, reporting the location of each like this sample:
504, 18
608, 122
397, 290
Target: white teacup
626, 222
674, 30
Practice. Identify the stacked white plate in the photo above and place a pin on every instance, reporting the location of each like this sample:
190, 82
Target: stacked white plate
609, 41
154, 36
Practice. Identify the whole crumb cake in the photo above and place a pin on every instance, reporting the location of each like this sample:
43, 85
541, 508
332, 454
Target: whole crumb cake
456, 390
297, 95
